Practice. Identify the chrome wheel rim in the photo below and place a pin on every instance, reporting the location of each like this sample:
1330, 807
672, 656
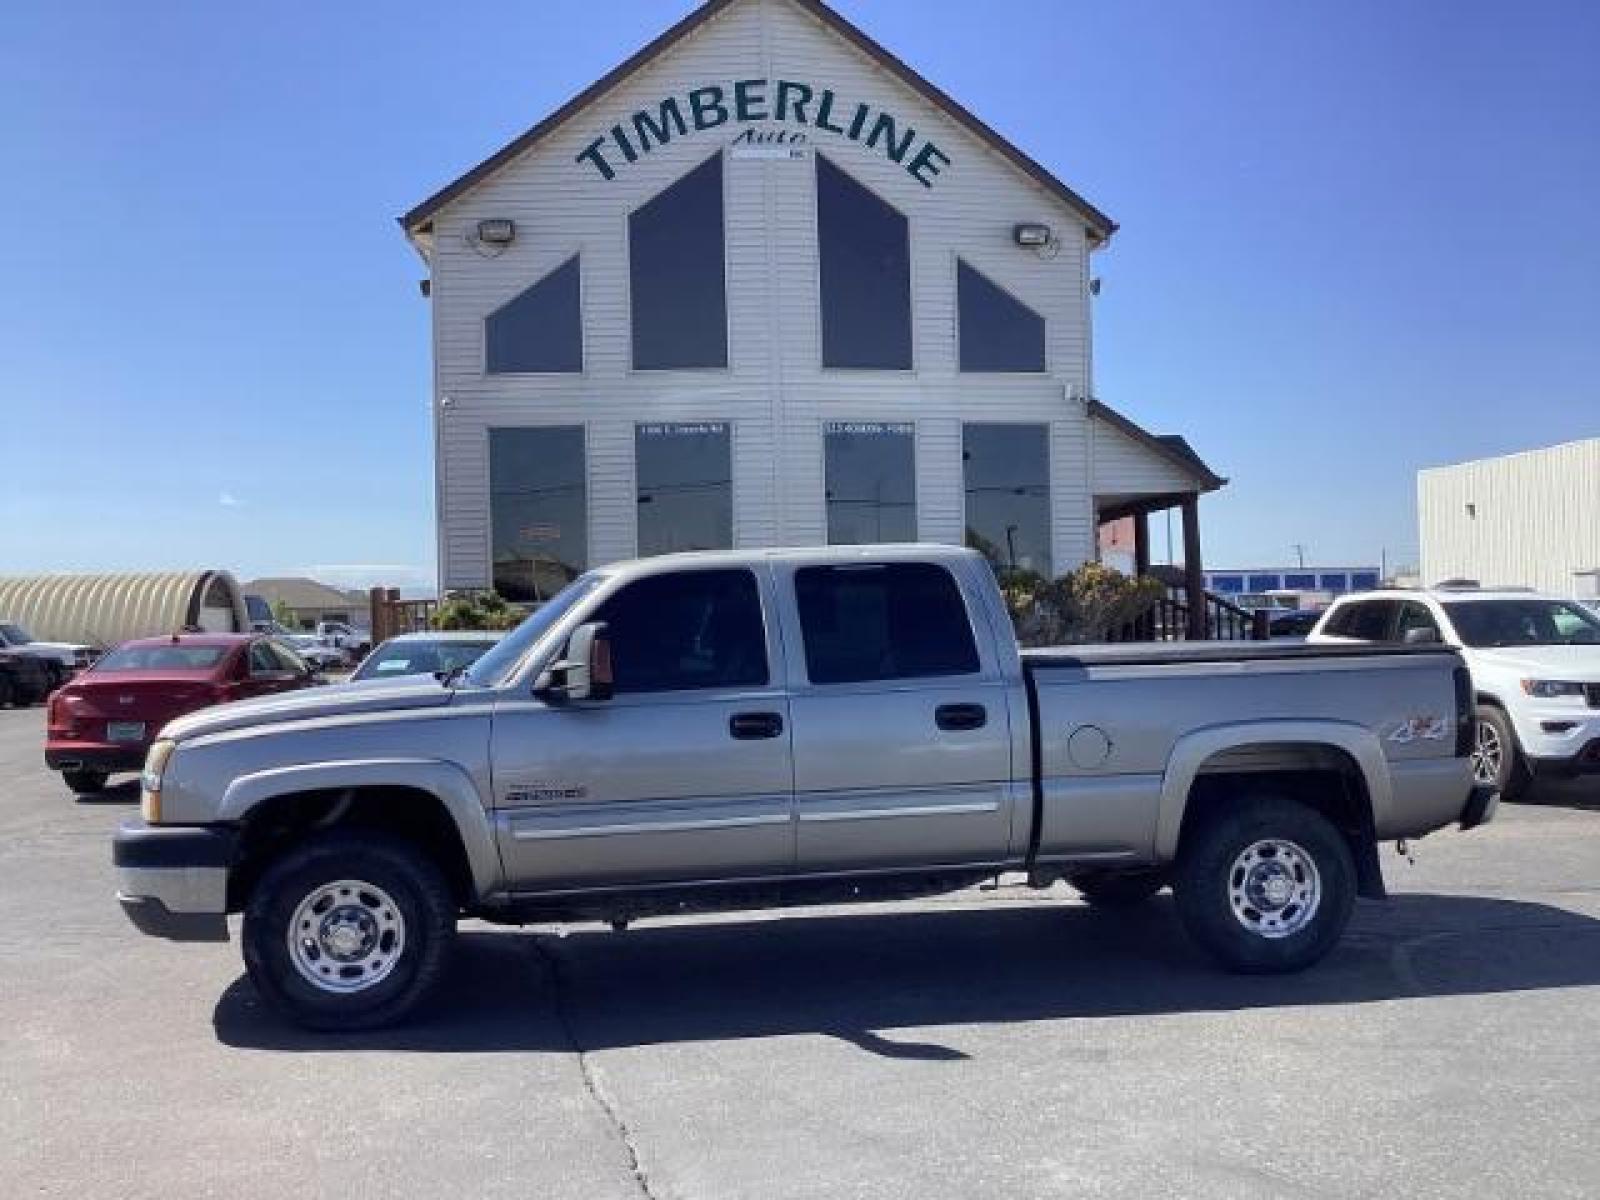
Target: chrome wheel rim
346, 936
1274, 888
1488, 754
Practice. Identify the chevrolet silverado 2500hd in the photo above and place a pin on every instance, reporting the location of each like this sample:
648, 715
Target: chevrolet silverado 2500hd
740, 729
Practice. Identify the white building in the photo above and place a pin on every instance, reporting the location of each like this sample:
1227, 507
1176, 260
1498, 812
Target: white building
763, 284
1530, 519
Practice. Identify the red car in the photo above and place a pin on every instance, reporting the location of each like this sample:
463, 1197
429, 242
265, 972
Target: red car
106, 718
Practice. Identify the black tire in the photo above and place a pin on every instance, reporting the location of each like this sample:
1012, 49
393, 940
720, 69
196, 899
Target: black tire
1209, 874
8, 692
85, 783
393, 868
1117, 889
1493, 729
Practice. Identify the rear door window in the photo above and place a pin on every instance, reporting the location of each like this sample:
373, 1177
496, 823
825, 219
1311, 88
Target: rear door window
1368, 620
883, 621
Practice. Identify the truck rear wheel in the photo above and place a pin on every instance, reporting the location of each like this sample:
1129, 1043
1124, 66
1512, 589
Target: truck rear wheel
1265, 886
1117, 889
349, 931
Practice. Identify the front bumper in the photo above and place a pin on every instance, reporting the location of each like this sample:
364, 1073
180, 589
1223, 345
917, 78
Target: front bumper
1482, 804
1585, 762
95, 756
172, 880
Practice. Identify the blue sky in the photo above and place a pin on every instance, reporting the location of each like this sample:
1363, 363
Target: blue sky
1357, 239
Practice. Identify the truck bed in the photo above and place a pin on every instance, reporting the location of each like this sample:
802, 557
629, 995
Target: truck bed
1130, 654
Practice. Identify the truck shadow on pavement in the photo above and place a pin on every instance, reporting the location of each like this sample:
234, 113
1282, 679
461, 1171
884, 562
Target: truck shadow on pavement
857, 975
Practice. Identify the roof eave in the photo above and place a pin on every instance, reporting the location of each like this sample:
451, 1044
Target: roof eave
1100, 226
1195, 467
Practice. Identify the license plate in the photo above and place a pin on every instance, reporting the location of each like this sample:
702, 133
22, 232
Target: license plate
124, 731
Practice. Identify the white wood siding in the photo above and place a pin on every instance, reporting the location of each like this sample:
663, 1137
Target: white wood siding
1122, 466
1534, 520
774, 392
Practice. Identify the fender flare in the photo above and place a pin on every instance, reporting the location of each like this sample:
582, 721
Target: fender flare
448, 783
1193, 750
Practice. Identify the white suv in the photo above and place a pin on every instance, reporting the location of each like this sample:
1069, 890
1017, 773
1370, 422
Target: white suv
1535, 663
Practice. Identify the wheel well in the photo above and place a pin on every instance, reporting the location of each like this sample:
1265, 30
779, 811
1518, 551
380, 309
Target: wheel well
1320, 776
276, 825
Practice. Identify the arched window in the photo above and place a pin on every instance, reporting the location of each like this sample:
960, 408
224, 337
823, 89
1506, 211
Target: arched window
539, 329
865, 248
998, 331
677, 281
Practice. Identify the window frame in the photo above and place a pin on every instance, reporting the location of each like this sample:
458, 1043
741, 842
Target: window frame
816, 291
916, 461
957, 261
488, 475
727, 278
733, 479
799, 660
484, 373
772, 646
1049, 476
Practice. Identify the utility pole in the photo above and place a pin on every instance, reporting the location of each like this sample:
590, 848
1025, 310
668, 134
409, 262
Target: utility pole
1300, 553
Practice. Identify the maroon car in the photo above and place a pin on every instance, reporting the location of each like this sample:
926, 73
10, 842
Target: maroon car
106, 718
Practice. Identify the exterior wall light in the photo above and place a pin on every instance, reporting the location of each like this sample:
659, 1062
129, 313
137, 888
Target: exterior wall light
497, 231
1029, 234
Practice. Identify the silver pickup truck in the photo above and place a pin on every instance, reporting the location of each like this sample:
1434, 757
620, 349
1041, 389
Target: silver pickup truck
745, 729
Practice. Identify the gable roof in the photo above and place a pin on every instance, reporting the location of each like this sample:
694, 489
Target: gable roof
1168, 446
1101, 227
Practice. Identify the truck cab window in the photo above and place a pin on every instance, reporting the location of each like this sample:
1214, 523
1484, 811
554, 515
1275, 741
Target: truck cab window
687, 630
883, 621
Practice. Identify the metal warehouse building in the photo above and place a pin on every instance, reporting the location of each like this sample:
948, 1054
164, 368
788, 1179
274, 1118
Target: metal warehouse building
101, 610
1530, 519
764, 284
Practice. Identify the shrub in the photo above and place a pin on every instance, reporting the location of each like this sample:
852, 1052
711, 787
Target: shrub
1084, 605
476, 610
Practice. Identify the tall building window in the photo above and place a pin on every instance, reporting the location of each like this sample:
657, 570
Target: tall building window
865, 248
998, 331
540, 329
677, 281
871, 482
1006, 469
538, 510
685, 477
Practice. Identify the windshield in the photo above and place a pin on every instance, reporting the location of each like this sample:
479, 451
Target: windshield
494, 666
161, 658
420, 656
15, 634
1530, 622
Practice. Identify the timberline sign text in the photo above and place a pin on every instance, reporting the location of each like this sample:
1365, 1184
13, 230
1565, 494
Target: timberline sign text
747, 101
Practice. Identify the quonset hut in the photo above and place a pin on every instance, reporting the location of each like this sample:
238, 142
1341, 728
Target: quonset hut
101, 610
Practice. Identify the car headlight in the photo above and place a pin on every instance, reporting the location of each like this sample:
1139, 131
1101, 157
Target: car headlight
155, 766
1551, 689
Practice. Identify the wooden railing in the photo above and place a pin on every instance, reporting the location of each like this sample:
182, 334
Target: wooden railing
1167, 620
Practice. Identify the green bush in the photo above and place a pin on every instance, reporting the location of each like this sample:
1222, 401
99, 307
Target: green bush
1084, 605
476, 610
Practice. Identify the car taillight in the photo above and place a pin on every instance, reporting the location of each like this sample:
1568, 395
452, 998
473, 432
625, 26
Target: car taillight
1466, 714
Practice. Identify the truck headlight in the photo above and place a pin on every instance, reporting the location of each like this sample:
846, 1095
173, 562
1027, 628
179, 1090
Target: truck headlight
1551, 689
155, 766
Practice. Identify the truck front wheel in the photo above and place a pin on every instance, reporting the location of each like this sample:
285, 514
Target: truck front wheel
348, 931
1265, 886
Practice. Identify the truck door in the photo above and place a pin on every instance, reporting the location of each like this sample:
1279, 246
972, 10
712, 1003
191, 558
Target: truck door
902, 734
686, 773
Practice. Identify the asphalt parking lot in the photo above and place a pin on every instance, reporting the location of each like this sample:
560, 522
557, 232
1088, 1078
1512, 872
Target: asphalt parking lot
997, 1043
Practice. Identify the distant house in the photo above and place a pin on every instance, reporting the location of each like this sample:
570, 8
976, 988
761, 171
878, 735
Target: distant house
308, 601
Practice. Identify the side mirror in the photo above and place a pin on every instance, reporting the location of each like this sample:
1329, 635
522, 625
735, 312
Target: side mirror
1422, 636
584, 672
